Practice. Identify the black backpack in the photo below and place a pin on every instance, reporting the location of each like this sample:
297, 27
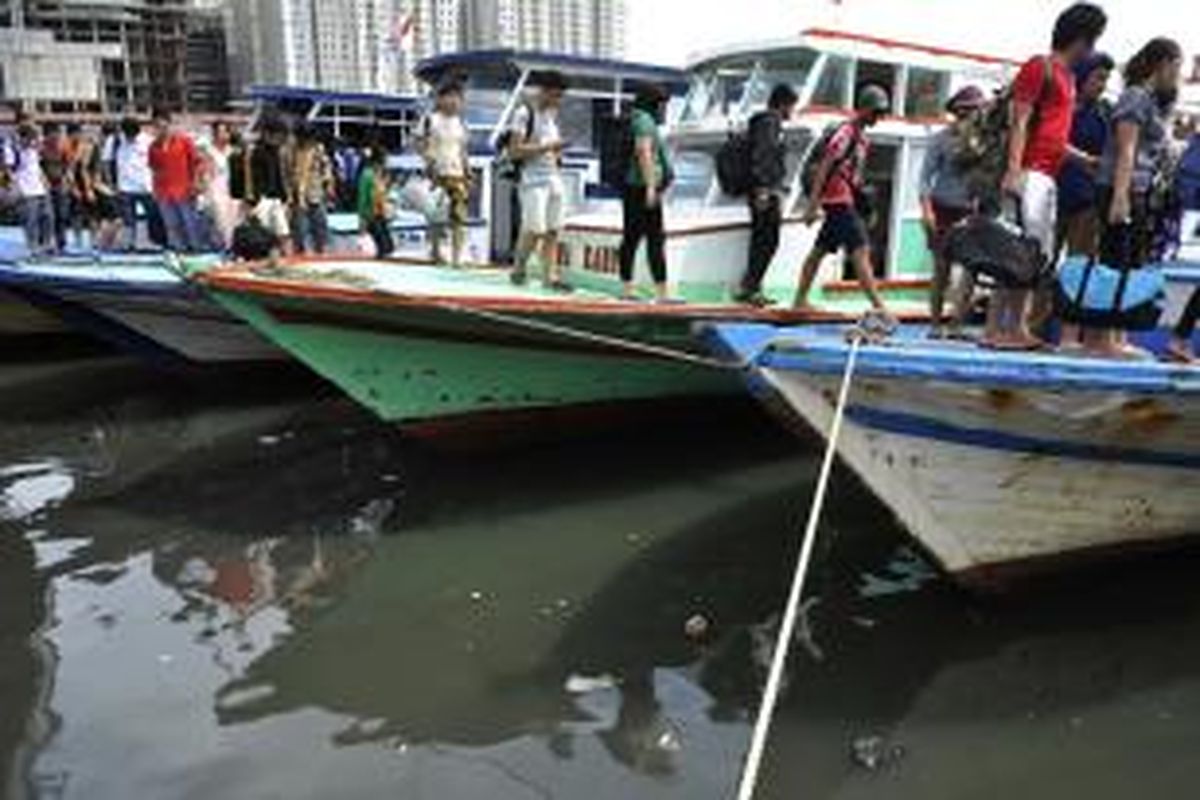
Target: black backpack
508, 167
816, 155
616, 151
733, 164
252, 241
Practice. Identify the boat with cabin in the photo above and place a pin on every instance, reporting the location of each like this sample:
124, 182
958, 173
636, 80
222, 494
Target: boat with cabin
999, 465
708, 232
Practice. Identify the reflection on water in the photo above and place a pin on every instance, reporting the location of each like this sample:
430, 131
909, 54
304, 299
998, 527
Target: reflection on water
249, 590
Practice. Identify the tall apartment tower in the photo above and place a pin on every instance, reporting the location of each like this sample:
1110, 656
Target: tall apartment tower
327, 44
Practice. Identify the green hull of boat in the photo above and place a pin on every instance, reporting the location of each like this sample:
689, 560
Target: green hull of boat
446, 366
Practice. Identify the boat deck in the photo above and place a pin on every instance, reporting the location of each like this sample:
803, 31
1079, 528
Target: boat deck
400, 282
824, 349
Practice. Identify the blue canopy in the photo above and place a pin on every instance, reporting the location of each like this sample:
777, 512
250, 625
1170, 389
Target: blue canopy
511, 63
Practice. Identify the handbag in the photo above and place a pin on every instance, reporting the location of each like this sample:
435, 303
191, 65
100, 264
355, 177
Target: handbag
1096, 295
997, 249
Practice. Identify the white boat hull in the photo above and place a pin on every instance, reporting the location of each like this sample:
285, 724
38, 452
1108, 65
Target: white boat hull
996, 480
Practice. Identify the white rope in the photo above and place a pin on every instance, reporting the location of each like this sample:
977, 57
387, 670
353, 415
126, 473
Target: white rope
612, 342
766, 711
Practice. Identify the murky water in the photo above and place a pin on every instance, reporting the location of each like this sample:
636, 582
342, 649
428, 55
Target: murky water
245, 588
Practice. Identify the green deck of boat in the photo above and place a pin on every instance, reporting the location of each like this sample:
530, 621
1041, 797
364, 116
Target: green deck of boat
411, 364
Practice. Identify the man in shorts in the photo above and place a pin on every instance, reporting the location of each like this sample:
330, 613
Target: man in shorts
837, 193
443, 144
268, 192
536, 145
1039, 143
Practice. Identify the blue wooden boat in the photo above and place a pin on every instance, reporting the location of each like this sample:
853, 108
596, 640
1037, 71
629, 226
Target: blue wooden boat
997, 462
138, 303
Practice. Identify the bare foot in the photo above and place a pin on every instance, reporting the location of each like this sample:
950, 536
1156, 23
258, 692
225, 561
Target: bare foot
1180, 353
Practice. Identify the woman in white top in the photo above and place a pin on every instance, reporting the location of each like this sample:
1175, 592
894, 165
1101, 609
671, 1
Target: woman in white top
222, 208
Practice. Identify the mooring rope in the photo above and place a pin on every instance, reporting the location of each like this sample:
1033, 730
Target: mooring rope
766, 711
615, 342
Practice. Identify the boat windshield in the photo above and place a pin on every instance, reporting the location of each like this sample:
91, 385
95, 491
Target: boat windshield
741, 84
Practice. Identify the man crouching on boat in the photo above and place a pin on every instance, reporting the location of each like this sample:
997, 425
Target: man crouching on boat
837, 193
536, 146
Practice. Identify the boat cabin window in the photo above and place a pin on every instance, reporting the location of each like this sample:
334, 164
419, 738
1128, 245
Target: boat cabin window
730, 81
785, 66
833, 88
880, 74
927, 92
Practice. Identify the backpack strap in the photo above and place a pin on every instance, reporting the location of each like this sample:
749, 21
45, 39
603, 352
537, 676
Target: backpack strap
851, 153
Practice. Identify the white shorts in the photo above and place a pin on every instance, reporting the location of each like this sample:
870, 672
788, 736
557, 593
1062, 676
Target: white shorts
542, 208
1039, 209
273, 214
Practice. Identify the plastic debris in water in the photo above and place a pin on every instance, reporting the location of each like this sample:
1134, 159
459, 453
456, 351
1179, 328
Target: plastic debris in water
477, 596
873, 753
696, 627
268, 441
582, 684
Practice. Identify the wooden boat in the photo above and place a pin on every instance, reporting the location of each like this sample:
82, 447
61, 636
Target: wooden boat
139, 304
414, 342
999, 462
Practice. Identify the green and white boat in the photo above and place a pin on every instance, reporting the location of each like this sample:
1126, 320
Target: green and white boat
416, 343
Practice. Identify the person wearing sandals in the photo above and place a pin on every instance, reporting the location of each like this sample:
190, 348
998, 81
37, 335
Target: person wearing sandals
1132, 169
946, 200
536, 145
650, 174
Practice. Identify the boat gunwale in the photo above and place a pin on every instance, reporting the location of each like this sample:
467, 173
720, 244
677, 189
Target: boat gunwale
239, 279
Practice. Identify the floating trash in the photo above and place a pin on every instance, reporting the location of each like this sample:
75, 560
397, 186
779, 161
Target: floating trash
582, 684
874, 753
697, 627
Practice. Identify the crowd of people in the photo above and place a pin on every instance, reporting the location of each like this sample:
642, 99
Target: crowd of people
1080, 175
137, 184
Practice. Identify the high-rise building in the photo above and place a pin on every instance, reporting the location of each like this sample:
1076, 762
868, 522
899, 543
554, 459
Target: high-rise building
144, 54
326, 44
372, 45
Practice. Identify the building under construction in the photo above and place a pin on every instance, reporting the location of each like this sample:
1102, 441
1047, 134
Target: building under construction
148, 53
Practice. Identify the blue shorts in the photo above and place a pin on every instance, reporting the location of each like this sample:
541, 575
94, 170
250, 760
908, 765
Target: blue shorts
843, 228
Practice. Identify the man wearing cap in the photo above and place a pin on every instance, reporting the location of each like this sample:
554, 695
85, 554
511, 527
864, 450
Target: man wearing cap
946, 200
838, 194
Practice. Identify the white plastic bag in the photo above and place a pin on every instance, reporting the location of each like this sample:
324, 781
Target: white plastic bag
420, 195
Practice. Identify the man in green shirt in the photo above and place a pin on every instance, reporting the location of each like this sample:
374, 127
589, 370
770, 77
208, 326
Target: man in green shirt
650, 174
372, 202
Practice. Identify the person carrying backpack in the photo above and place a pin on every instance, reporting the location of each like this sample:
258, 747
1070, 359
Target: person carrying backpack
1133, 171
837, 193
946, 200
767, 171
536, 145
1042, 111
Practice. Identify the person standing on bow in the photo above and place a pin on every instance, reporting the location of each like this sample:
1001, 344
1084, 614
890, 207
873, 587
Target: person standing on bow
374, 217
56, 163
176, 168
442, 142
536, 145
1039, 143
946, 200
649, 176
223, 207
134, 185
1134, 171
311, 187
267, 195
768, 171
839, 194
23, 162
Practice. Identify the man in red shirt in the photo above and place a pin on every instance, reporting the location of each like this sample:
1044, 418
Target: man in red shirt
1039, 143
837, 192
175, 165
